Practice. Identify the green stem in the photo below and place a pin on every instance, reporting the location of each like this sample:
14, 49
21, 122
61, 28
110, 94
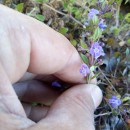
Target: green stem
117, 15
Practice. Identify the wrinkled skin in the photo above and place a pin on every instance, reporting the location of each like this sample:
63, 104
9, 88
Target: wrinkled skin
29, 45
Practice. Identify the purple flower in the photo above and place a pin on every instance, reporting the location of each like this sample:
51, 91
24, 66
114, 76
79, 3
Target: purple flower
56, 84
96, 50
115, 102
102, 25
92, 13
84, 70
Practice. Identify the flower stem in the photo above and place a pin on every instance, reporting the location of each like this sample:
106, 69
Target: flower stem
117, 15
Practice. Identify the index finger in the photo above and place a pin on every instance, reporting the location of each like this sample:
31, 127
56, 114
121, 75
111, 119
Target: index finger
52, 53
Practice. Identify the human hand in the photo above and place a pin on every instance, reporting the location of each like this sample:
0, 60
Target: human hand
29, 45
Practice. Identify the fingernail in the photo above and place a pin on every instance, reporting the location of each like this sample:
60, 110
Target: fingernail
96, 94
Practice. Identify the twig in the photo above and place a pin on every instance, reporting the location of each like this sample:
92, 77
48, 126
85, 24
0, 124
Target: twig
66, 15
76, 20
54, 9
31, 12
107, 79
52, 1
103, 114
99, 82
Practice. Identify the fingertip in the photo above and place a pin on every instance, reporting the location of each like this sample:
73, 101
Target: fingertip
71, 71
96, 94
90, 94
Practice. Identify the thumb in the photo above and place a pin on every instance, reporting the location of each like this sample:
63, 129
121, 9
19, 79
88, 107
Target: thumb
74, 109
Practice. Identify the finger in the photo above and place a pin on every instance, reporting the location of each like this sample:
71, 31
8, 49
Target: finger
9, 121
75, 106
35, 113
36, 91
27, 76
59, 56
45, 50
45, 78
8, 96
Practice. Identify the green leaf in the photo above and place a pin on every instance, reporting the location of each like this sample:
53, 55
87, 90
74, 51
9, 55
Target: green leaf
20, 7
97, 34
92, 2
73, 42
119, 2
116, 31
92, 68
104, 3
126, 1
108, 15
127, 17
121, 16
95, 20
118, 96
125, 99
75, 10
84, 58
63, 30
41, 1
128, 41
111, 1
83, 45
40, 17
